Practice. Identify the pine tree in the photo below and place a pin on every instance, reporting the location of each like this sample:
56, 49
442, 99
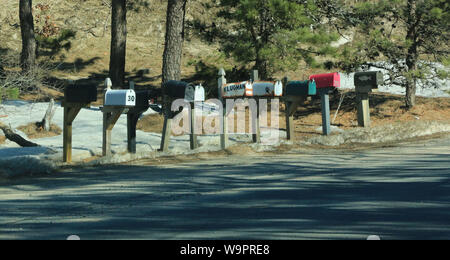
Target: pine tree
273, 35
410, 35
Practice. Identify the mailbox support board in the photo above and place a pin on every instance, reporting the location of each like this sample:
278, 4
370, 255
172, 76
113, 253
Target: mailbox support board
325, 104
363, 109
365, 82
167, 129
71, 111
75, 98
326, 83
110, 117
112, 113
292, 101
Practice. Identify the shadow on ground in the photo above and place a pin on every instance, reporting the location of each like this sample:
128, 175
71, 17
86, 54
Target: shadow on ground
395, 196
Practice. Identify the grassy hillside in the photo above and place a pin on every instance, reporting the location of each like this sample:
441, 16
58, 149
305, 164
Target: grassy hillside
89, 55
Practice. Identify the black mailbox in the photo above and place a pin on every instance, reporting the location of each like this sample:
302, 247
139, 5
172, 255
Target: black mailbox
80, 94
143, 98
366, 81
301, 88
175, 89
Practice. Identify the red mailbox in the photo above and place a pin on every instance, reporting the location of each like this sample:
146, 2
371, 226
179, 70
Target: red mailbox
329, 80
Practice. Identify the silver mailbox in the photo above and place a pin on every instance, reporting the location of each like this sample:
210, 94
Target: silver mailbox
121, 98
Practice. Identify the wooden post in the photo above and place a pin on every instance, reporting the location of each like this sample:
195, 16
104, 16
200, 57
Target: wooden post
67, 137
363, 109
194, 134
326, 121
132, 119
224, 131
256, 136
289, 112
70, 113
110, 117
167, 131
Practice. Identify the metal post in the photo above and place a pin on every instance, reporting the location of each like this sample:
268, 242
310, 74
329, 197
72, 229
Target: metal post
194, 134
256, 136
224, 128
326, 121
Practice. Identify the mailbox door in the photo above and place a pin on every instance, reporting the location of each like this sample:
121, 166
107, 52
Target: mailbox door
329, 80
80, 94
199, 95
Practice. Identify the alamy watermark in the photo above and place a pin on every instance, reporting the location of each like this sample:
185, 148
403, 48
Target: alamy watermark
207, 121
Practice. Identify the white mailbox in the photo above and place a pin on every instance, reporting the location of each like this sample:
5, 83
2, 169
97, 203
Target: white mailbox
121, 98
194, 93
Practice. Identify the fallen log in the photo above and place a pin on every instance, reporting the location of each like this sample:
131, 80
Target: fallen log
10, 135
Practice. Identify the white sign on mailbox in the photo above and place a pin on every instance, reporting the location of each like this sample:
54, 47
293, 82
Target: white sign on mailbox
122, 97
235, 90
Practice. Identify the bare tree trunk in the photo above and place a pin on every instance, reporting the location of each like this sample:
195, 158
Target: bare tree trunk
118, 43
10, 135
28, 56
174, 40
48, 117
412, 56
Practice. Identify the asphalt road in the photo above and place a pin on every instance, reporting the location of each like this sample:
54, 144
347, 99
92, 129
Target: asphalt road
395, 193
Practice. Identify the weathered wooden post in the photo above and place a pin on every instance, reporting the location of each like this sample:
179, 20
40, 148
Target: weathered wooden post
365, 82
75, 98
222, 81
326, 83
296, 93
116, 103
256, 135
133, 115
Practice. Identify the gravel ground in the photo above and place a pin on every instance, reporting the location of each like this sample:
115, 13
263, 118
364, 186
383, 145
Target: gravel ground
396, 193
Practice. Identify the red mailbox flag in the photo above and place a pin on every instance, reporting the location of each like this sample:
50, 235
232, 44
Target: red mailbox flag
329, 80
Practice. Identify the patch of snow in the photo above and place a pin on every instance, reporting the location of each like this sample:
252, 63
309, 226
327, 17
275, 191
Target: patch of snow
441, 89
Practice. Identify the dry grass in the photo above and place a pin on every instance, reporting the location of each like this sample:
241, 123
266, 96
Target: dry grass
151, 123
2, 139
385, 109
33, 132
